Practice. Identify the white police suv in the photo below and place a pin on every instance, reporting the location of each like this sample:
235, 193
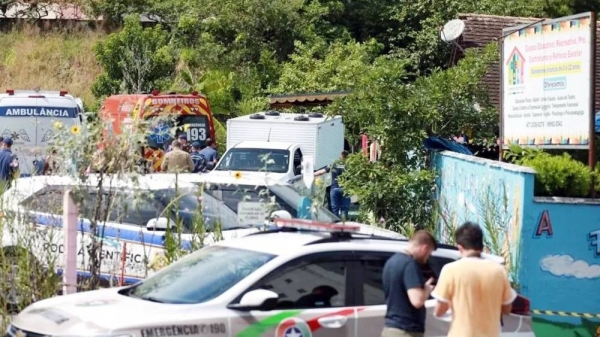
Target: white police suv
137, 214
302, 279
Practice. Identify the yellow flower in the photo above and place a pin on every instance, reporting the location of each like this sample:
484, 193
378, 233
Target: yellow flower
237, 175
58, 125
75, 129
318, 181
159, 262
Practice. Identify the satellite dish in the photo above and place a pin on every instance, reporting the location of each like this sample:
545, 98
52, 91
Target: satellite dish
452, 30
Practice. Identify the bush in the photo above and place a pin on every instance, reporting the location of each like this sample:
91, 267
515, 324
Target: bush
596, 177
559, 175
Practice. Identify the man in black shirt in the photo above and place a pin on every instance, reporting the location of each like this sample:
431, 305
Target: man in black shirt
405, 289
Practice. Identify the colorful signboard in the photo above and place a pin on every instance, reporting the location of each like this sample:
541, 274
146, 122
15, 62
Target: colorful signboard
546, 87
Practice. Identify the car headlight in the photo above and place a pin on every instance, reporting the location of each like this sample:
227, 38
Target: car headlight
13, 331
94, 335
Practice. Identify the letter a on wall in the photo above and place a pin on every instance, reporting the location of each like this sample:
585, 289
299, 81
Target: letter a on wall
544, 225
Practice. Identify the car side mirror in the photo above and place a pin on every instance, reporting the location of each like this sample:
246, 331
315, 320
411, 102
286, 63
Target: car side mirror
258, 299
281, 214
158, 224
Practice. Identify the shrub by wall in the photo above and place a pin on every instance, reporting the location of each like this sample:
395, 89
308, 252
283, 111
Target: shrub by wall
557, 175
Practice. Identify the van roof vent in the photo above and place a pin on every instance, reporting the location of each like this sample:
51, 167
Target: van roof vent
257, 116
301, 118
272, 113
316, 115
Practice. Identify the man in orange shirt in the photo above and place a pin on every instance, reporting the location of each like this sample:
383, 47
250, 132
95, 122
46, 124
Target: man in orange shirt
477, 290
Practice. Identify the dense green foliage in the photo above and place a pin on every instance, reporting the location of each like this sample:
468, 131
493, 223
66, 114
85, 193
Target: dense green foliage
386, 52
134, 60
556, 175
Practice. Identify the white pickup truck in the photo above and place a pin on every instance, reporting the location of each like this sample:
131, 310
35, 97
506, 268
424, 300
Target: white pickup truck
273, 145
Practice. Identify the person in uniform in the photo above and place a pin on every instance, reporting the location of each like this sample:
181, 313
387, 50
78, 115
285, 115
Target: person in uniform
177, 160
340, 203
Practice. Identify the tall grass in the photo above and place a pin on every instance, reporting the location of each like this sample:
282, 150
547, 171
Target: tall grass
491, 208
51, 60
30, 257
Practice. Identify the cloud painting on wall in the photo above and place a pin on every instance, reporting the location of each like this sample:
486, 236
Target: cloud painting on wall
567, 266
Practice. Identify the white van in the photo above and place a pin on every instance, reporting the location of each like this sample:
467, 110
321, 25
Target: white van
315, 135
28, 117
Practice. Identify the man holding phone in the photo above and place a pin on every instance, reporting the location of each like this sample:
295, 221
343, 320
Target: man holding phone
405, 289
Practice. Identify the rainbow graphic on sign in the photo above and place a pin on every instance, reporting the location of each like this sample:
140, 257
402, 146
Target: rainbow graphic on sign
293, 327
516, 67
550, 28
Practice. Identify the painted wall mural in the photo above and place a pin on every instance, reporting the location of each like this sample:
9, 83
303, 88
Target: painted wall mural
486, 192
554, 243
560, 252
594, 239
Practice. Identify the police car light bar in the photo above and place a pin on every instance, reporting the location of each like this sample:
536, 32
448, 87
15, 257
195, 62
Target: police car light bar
315, 225
63, 92
10, 91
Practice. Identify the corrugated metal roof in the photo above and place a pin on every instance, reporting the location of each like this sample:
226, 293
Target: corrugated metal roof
54, 11
479, 31
45, 11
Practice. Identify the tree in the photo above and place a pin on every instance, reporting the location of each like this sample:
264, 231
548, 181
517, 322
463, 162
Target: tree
400, 115
114, 11
322, 66
135, 60
557, 8
225, 98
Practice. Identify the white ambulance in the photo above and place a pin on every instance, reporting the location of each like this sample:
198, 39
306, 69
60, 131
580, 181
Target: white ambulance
28, 117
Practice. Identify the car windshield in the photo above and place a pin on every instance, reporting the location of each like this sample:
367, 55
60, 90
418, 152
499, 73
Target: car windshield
275, 197
184, 199
263, 160
232, 195
294, 196
139, 206
187, 203
200, 277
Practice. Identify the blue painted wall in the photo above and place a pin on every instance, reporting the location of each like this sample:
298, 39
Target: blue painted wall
551, 245
487, 192
561, 259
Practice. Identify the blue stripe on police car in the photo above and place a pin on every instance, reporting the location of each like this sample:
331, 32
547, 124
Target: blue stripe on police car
109, 232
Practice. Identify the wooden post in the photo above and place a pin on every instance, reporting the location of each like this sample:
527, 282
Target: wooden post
123, 259
70, 213
592, 141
